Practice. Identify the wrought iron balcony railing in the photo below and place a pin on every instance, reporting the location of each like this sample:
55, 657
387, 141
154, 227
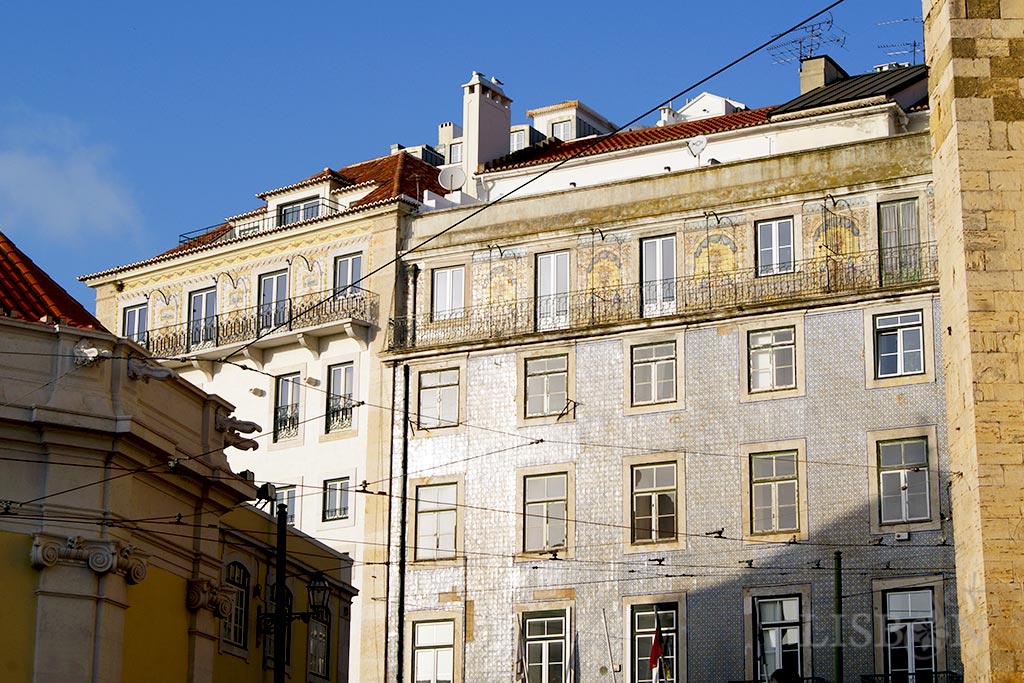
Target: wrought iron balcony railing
286, 215
802, 679
339, 412
286, 421
244, 325
920, 677
819, 278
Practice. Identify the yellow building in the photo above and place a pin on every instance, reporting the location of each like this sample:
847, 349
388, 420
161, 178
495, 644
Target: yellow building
128, 551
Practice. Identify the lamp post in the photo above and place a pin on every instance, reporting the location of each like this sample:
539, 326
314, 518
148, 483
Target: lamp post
319, 593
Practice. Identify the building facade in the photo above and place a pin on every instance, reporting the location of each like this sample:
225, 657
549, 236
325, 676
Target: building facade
130, 552
655, 397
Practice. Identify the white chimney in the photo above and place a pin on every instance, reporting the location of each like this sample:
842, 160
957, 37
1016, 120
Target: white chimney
486, 123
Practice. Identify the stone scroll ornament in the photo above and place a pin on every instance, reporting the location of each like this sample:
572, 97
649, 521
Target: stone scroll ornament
205, 594
103, 556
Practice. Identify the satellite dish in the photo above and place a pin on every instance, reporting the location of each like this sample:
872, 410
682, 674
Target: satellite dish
451, 178
697, 145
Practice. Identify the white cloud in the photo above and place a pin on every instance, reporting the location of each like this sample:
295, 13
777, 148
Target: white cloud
52, 178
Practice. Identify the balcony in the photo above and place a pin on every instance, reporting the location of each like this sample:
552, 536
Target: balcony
286, 421
286, 215
339, 412
923, 677
688, 298
317, 314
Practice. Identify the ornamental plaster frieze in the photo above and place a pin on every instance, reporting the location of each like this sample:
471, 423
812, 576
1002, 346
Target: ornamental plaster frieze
205, 594
103, 556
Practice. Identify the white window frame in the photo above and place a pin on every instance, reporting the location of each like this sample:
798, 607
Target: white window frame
927, 433
658, 366
746, 332
552, 282
900, 326
539, 646
287, 396
752, 595
273, 291
235, 626
881, 588
565, 125
298, 211
903, 480
541, 382
771, 345
658, 275
775, 257
438, 397
899, 240
348, 269
925, 305
131, 327
337, 499
340, 375
774, 484
546, 511
748, 451
447, 293
415, 619
288, 496
653, 494
514, 136
202, 317
455, 153
438, 516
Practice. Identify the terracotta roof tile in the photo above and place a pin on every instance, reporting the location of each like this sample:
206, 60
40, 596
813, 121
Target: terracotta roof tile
553, 150
27, 291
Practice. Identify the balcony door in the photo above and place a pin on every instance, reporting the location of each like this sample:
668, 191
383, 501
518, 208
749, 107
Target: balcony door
553, 290
202, 318
273, 300
658, 263
900, 241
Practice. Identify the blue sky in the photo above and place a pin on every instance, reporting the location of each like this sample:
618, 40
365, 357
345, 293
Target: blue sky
124, 124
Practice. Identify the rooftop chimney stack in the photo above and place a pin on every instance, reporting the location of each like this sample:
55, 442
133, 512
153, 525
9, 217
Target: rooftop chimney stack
486, 122
818, 71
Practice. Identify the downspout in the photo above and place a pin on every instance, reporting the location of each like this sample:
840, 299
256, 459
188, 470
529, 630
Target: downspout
391, 496
403, 522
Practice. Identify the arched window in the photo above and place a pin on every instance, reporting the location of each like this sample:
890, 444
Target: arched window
235, 628
268, 641
320, 646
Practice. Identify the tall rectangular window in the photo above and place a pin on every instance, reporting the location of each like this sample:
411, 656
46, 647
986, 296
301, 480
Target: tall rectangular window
647, 623
562, 130
910, 635
433, 651
903, 480
899, 344
340, 381
654, 503
335, 499
273, 300
202, 317
546, 385
552, 290
439, 399
436, 516
546, 640
778, 631
545, 504
448, 293
517, 140
319, 646
134, 325
773, 492
301, 210
347, 272
455, 153
658, 266
774, 246
235, 627
900, 241
286, 495
772, 357
654, 373
286, 407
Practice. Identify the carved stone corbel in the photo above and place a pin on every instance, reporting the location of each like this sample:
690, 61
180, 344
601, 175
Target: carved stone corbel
204, 594
101, 556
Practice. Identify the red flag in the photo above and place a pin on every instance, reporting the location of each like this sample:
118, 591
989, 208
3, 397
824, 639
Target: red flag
656, 648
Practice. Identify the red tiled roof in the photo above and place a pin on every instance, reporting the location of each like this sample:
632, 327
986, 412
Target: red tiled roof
556, 150
28, 293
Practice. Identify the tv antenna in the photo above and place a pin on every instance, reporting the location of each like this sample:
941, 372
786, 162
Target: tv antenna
912, 48
808, 43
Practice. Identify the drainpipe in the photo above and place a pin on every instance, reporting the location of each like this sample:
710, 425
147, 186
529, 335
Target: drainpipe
403, 522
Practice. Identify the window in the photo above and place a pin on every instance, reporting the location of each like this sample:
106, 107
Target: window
286, 495
347, 272
434, 651
455, 153
778, 632
658, 263
562, 130
650, 624
774, 492
553, 290
544, 512
546, 385
774, 246
517, 140
273, 300
435, 521
339, 397
298, 211
910, 635
286, 407
448, 299
135, 323
772, 355
269, 636
899, 240
654, 503
335, 499
235, 627
654, 373
545, 647
903, 480
439, 399
202, 317
320, 646
899, 344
